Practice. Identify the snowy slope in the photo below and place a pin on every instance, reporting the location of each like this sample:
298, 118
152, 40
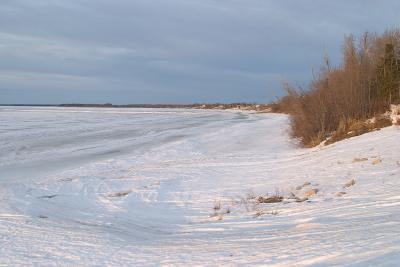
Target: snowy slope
126, 187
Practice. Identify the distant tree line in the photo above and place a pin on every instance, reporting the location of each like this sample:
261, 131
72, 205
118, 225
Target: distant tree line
196, 105
362, 86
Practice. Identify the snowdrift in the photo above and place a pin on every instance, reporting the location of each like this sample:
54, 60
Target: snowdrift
124, 187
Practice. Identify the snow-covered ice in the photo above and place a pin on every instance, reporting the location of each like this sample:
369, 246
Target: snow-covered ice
125, 187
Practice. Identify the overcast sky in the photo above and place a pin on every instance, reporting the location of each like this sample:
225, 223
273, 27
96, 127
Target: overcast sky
172, 51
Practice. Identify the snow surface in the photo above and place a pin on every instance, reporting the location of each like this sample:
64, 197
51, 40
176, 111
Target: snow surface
125, 187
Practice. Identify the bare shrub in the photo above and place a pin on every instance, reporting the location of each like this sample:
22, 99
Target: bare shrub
272, 199
352, 128
381, 122
340, 99
311, 192
217, 205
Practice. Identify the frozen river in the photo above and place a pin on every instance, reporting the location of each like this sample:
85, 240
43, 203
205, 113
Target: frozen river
123, 187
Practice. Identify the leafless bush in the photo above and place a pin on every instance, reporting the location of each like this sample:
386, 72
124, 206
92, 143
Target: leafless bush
276, 198
339, 99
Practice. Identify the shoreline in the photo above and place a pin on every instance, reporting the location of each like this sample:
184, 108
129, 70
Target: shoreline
259, 108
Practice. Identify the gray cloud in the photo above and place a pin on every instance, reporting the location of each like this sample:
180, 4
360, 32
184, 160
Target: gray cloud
175, 51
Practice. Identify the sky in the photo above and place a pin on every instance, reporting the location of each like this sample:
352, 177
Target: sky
172, 51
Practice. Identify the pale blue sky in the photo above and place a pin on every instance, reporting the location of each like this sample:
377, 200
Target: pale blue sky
172, 51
